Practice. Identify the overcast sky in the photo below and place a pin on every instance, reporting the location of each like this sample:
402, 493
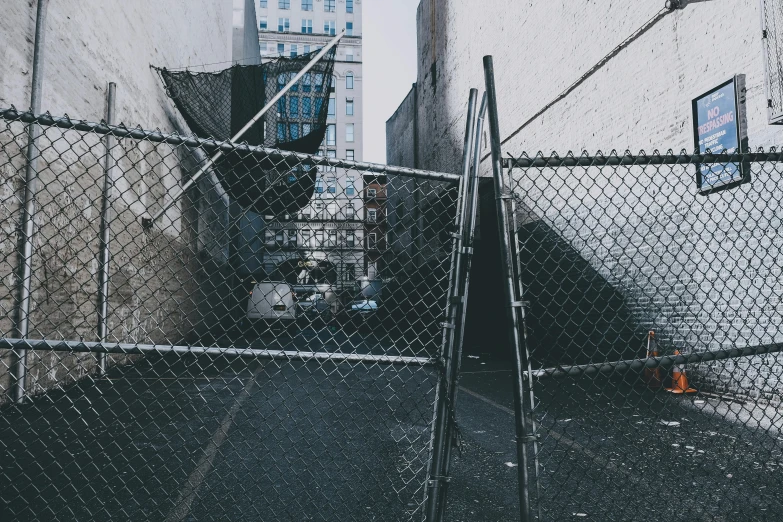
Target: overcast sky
389, 66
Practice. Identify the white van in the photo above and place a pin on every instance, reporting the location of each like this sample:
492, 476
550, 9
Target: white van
272, 301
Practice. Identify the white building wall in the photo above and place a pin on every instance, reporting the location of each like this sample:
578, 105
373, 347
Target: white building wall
639, 100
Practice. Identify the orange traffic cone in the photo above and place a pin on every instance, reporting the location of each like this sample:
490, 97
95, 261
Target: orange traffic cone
679, 379
652, 376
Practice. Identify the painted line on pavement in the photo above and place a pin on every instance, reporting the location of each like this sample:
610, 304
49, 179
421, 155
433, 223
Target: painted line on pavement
190, 491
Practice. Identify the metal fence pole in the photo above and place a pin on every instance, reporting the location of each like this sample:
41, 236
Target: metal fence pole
108, 184
464, 282
514, 305
444, 407
28, 217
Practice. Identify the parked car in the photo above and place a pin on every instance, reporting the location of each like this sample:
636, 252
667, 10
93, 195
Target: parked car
312, 304
272, 300
364, 306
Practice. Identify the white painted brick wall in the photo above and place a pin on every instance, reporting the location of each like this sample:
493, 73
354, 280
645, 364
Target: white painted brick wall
720, 290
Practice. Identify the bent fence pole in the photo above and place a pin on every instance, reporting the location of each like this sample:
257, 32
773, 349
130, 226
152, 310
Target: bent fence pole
25, 273
444, 411
514, 310
148, 222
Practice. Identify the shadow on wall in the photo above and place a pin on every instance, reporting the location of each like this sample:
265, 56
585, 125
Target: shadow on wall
575, 316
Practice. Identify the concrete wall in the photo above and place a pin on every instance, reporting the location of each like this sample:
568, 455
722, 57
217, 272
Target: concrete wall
246, 50
726, 292
159, 279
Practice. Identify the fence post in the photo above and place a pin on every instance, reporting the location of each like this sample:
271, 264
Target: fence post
445, 390
514, 309
28, 216
108, 185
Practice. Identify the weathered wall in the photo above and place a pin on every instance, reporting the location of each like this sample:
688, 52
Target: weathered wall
640, 99
159, 281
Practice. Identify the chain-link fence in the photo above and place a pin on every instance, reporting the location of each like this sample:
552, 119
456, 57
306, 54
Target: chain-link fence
220, 364
652, 329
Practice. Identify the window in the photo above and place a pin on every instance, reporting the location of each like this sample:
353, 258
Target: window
262, 4
349, 188
281, 49
292, 238
349, 211
772, 37
307, 5
281, 132
331, 110
349, 81
319, 83
263, 47
371, 192
349, 107
349, 55
349, 155
306, 212
279, 238
284, 4
294, 130
350, 239
262, 23
319, 209
350, 271
330, 28
306, 238
332, 241
306, 50
331, 185
349, 132
307, 110
331, 154
306, 129
293, 107
349, 6
331, 134
269, 237
372, 240
319, 185
307, 27
348, 28
283, 25
319, 238
329, 6
372, 215
294, 52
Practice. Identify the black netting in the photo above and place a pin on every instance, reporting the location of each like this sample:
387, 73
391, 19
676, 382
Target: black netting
218, 104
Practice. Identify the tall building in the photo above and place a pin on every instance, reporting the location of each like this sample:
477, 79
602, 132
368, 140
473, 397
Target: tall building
328, 236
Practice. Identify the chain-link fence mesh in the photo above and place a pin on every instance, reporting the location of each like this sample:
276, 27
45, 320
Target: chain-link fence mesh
653, 331
258, 366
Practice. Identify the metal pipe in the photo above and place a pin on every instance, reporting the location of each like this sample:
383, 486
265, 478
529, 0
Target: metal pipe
193, 142
103, 267
445, 388
247, 353
516, 341
467, 245
148, 223
28, 217
664, 361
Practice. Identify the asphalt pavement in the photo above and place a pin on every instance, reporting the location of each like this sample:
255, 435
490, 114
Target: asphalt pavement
196, 438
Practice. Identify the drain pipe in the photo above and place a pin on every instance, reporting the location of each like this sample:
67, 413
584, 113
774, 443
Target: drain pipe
28, 223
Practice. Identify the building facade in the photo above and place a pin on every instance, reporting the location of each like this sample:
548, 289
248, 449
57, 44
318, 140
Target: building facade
619, 77
328, 233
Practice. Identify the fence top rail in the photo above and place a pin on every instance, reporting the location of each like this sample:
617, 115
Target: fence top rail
137, 133
641, 159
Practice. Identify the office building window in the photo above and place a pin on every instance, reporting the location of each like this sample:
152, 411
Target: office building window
279, 238
349, 81
349, 55
306, 238
350, 155
292, 238
331, 154
319, 83
331, 134
348, 28
293, 107
329, 5
349, 210
349, 107
349, 6
283, 25
319, 185
281, 49
350, 239
262, 23
349, 132
307, 110
262, 4
331, 210
263, 47
372, 215
307, 27
305, 212
332, 241
284, 4
306, 50
281, 132
372, 240
319, 209
371, 192
330, 28
319, 239
294, 52
333, 84
331, 111
350, 271
307, 5
294, 130
349, 188
331, 185
306, 127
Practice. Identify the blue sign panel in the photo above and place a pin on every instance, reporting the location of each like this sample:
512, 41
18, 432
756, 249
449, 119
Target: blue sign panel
719, 125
